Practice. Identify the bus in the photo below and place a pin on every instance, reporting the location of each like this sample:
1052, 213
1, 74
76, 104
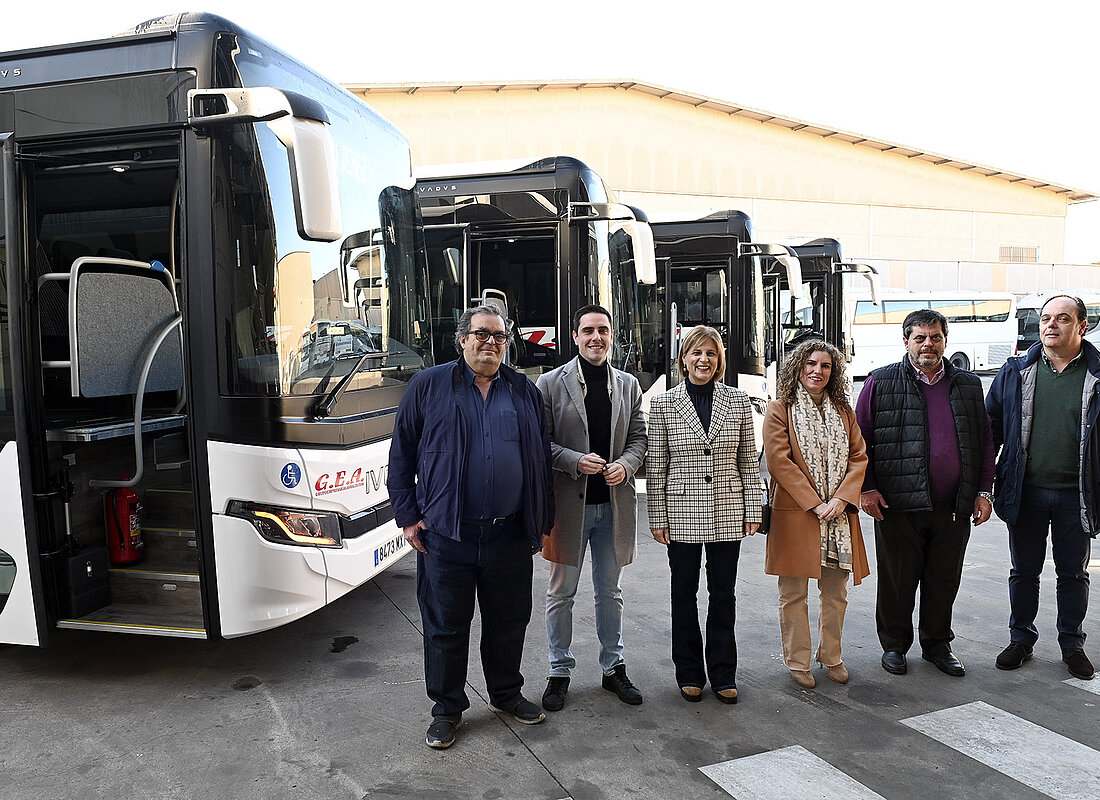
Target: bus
763, 298
1027, 317
214, 283
983, 327
536, 240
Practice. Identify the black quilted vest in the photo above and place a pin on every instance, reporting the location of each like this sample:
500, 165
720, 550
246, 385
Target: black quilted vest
900, 454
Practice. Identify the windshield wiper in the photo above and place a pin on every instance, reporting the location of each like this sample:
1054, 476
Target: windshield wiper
328, 402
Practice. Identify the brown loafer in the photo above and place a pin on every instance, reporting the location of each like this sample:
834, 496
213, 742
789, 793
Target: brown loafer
804, 678
693, 694
838, 673
727, 696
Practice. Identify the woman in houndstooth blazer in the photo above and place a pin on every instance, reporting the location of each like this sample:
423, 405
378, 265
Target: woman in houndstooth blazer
703, 491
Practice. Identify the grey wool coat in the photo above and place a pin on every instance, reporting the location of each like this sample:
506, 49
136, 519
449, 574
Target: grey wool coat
563, 391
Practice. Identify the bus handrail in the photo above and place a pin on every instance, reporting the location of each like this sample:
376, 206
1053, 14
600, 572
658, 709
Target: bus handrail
139, 402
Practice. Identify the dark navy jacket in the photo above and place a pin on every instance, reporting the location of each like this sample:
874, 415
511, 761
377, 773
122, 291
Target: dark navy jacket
1011, 406
428, 453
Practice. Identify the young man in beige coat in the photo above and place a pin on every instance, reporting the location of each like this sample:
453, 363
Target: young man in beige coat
598, 442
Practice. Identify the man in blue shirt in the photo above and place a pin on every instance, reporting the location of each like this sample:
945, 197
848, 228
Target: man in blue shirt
470, 485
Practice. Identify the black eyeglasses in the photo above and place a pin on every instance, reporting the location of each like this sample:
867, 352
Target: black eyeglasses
482, 335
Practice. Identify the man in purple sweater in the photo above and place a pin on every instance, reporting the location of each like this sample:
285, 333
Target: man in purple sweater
930, 473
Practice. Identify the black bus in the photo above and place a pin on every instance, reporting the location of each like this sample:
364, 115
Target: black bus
537, 240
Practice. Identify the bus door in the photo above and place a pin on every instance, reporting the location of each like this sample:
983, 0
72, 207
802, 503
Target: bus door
22, 617
99, 385
515, 270
448, 248
701, 293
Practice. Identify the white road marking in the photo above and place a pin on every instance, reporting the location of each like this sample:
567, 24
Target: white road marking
1089, 686
1046, 761
793, 773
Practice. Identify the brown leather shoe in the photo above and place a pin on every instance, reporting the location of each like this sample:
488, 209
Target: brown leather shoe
804, 678
693, 694
838, 673
727, 696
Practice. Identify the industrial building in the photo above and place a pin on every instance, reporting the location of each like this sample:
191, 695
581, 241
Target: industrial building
924, 220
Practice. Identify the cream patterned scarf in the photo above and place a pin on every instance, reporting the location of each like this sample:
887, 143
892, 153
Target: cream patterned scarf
823, 439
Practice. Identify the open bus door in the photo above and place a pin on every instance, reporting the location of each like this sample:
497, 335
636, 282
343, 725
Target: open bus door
22, 611
96, 356
701, 293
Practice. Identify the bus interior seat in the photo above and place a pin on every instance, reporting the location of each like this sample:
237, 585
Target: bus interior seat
113, 346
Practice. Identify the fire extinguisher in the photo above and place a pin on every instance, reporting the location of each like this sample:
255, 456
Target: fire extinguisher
122, 510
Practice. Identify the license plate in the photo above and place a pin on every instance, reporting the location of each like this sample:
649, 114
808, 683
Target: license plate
389, 549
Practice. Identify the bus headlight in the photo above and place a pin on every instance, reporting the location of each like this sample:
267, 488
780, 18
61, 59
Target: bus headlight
290, 526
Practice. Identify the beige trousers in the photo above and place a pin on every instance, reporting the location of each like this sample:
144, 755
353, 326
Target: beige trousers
794, 618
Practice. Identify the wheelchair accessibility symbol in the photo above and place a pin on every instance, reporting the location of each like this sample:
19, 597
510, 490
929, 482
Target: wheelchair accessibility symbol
291, 475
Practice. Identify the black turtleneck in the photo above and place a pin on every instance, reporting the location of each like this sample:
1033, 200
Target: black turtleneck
597, 407
702, 397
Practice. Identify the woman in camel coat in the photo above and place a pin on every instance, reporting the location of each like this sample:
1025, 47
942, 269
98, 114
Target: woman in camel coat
816, 458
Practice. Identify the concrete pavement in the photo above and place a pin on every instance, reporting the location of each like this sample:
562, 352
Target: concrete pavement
333, 706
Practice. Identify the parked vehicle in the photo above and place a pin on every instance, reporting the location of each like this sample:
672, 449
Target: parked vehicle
215, 277
982, 327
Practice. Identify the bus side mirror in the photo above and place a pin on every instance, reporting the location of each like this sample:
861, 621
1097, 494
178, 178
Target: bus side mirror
301, 124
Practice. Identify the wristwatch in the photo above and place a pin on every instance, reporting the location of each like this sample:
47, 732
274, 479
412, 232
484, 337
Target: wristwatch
987, 495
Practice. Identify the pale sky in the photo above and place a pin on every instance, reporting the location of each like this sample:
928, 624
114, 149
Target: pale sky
1006, 84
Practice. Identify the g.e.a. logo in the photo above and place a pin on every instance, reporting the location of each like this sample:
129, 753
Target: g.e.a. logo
372, 479
339, 482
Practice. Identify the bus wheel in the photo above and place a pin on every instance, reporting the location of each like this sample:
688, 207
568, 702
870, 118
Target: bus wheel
960, 361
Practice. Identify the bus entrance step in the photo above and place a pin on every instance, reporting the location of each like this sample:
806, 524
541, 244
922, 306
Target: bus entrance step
145, 585
147, 620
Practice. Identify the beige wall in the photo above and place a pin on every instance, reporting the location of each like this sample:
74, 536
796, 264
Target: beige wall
673, 159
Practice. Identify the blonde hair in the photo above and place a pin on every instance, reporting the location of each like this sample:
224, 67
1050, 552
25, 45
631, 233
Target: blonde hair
693, 339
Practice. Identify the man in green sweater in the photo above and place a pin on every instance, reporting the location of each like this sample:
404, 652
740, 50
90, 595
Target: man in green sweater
1044, 407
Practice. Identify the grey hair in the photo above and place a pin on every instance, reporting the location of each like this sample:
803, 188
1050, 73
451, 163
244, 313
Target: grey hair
467, 315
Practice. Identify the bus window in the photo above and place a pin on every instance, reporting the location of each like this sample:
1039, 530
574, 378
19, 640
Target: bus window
868, 313
992, 310
955, 310
894, 312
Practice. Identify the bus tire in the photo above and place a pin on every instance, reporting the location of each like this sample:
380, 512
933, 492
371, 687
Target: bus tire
960, 361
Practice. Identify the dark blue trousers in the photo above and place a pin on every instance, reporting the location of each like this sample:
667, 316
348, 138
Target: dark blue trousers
687, 640
491, 565
1059, 512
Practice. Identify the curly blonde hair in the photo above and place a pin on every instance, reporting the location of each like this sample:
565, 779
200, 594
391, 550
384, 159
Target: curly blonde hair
837, 388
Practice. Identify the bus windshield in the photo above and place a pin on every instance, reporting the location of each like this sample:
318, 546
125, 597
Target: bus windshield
294, 314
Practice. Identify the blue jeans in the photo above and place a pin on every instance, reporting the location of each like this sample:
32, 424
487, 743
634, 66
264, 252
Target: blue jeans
1058, 511
597, 531
493, 565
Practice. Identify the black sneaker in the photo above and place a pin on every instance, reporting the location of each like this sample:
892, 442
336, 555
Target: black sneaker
522, 710
553, 699
618, 683
441, 733
1079, 664
1013, 656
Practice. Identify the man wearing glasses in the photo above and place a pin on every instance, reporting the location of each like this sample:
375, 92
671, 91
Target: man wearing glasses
470, 485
